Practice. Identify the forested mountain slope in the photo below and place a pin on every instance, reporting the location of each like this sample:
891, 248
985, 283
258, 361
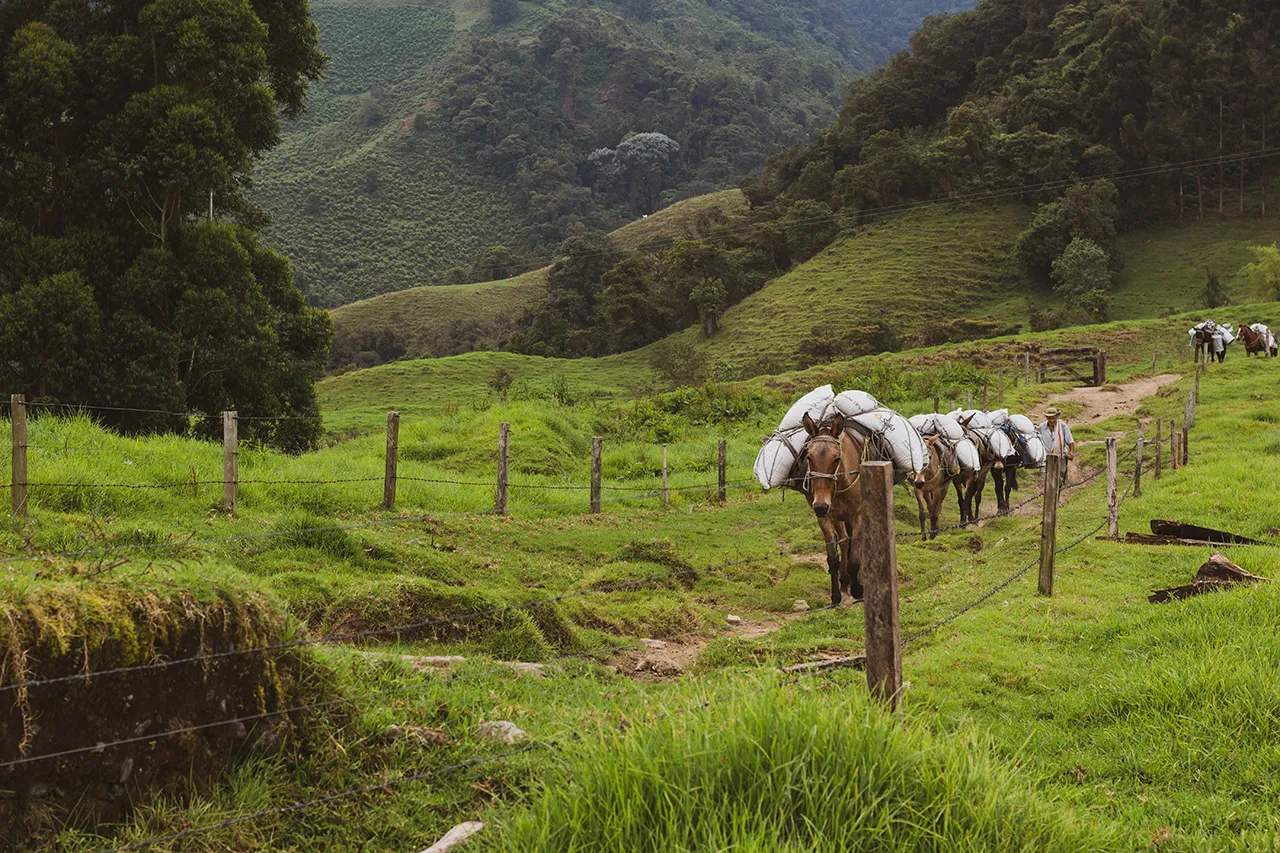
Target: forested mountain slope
444, 127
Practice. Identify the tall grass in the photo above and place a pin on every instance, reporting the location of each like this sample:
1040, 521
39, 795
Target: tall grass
770, 772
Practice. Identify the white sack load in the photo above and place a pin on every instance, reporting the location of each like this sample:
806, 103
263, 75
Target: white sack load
851, 403
966, 453
936, 424
1023, 424
906, 447
999, 417
1228, 334
1034, 454
782, 449
1267, 335
973, 418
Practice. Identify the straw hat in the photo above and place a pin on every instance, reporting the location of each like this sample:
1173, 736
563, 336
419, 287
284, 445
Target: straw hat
1052, 412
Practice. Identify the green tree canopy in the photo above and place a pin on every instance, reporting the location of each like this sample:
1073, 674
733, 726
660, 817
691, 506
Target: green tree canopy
130, 274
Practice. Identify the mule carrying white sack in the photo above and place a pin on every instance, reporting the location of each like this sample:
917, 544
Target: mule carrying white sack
978, 426
782, 449
951, 437
906, 447
1030, 445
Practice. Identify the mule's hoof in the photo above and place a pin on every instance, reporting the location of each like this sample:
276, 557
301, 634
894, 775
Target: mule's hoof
835, 600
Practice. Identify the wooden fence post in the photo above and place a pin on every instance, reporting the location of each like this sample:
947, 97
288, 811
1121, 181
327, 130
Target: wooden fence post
1195, 395
986, 397
1173, 447
935, 405
1153, 361
1137, 465
1184, 444
666, 496
1113, 502
230, 462
18, 469
393, 455
1026, 358
504, 458
1049, 521
723, 465
1001, 389
597, 464
880, 584
1155, 475
968, 398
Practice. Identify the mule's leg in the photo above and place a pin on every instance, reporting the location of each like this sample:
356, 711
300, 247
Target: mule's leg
855, 564
979, 485
846, 555
920, 505
998, 479
962, 495
936, 497
831, 536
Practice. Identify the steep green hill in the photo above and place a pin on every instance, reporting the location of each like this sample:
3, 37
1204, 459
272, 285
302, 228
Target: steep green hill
440, 130
435, 320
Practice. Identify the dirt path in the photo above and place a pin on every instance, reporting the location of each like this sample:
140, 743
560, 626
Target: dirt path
1101, 403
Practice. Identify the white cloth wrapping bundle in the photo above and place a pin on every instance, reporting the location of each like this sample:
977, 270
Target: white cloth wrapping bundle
949, 434
978, 425
935, 424
1267, 334
1026, 430
783, 448
906, 447
852, 403
1223, 335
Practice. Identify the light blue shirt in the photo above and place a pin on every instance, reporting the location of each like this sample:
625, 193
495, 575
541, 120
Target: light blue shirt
1057, 440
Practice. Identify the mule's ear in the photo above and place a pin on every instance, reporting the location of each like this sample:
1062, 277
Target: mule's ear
837, 425
809, 426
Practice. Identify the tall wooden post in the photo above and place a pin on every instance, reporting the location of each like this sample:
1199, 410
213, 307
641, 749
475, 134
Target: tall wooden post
1026, 359
1049, 521
393, 455
880, 582
986, 397
666, 496
1155, 475
1100, 367
504, 460
1001, 389
1195, 395
1113, 501
968, 398
1153, 361
230, 462
935, 405
1185, 449
1173, 447
597, 463
723, 466
18, 469
1137, 464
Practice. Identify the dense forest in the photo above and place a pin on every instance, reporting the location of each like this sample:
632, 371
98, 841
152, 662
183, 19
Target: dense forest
131, 272
1104, 115
445, 129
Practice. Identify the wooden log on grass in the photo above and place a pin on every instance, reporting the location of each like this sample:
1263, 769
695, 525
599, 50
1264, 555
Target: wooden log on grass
1181, 529
1216, 573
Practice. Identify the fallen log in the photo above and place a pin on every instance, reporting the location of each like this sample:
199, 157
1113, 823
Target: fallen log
1149, 539
1182, 530
854, 661
1217, 573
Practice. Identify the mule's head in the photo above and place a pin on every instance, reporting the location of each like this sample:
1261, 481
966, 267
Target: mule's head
824, 453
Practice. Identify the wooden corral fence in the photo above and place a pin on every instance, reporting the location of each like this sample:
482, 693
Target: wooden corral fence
1079, 365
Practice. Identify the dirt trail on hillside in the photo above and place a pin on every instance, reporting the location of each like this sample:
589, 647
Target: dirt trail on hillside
1101, 403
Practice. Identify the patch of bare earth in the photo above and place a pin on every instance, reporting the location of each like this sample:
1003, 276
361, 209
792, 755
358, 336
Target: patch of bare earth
662, 660
1108, 400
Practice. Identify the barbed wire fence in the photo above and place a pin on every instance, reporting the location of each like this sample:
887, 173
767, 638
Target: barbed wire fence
596, 654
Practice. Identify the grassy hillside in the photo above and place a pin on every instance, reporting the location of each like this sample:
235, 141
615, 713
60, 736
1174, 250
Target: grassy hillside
1090, 721
429, 320
385, 183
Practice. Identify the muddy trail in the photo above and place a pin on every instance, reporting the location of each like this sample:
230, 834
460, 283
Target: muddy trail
1108, 400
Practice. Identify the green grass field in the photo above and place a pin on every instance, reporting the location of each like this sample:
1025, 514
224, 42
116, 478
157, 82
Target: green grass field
1091, 721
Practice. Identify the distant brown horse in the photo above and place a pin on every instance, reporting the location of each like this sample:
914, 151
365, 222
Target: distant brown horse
1255, 343
938, 476
830, 465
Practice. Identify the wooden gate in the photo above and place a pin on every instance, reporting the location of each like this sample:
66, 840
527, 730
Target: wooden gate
1079, 365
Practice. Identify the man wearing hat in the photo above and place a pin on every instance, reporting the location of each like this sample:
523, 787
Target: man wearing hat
1056, 437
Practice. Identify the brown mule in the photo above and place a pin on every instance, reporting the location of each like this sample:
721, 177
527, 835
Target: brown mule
830, 460
1254, 342
937, 482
